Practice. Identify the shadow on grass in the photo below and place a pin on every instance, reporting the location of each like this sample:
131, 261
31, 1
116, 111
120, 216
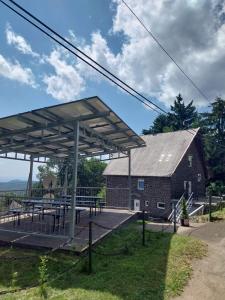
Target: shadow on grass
155, 271
138, 273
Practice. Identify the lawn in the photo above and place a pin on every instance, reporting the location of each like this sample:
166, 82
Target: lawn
217, 215
158, 270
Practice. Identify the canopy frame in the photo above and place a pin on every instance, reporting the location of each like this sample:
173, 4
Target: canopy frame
55, 133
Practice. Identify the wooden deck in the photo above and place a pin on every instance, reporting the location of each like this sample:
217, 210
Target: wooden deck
34, 234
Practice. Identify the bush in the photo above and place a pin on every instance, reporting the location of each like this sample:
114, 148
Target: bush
216, 188
43, 276
184, 213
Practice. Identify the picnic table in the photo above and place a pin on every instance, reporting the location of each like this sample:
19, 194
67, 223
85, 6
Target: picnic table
57, 208
60, 207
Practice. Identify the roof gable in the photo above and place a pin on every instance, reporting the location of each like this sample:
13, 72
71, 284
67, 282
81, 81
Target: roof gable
160, 157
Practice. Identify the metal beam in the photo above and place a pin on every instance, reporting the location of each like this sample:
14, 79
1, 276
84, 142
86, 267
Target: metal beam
129, 181
51, 125
65, 183
91, 133
74, 181
114, 125
53, 139
30, 178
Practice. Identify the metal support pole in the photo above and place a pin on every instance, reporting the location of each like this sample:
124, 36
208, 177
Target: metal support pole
65, 183
90, 249
74, 181
30, 178
143, 228
129, 181
174, 217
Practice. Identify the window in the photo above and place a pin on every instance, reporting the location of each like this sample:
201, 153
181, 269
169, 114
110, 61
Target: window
190, 158
160, 205
147, 203
141, 184
199, 177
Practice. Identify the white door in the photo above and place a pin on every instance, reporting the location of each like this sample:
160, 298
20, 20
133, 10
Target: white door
187, 187
137, 206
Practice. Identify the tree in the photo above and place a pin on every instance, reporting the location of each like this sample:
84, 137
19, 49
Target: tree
180, 117
213, 124
90, 172
46, 170
161, 124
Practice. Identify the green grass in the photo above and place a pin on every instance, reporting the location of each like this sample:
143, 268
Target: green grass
157, 271
217, 215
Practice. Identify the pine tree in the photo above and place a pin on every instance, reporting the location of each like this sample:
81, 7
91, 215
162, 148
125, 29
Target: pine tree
180, 117
214, 139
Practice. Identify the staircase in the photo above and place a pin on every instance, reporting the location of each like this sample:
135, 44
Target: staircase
178, 208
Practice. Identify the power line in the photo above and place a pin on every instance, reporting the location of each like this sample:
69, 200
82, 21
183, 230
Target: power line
80, 51
122, 83
165, 51
84, 60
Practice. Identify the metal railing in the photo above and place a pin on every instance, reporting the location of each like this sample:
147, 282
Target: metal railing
189, 203
48, 211
178, 207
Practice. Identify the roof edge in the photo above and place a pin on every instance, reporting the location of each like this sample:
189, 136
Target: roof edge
196, 131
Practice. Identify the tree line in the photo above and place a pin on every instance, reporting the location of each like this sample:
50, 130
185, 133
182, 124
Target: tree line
212, 128
89, 172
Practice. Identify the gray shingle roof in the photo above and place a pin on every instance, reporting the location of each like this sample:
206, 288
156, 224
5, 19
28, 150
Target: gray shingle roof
160, 157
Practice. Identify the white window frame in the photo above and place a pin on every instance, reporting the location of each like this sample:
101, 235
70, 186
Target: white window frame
159, 203
138, 186
199, 177
190, 161
189, 185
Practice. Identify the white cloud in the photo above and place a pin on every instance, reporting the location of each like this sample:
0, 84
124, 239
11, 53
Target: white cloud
14, 71
100, 52
192, 31
66, 83
19, 42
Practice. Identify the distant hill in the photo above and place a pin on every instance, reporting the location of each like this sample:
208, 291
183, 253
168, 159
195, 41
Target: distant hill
13, 185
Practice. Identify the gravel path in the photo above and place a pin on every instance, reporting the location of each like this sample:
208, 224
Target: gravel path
208, 280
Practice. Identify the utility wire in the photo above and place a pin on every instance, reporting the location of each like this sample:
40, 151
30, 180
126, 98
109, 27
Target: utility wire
122, 83
84, 60
165, 51
85, 55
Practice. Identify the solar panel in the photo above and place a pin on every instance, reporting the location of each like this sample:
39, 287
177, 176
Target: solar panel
48, 132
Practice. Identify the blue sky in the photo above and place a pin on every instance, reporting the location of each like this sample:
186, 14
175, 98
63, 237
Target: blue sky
83, 17
35, 72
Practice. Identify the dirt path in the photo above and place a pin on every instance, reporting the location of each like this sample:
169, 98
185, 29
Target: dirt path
208, 280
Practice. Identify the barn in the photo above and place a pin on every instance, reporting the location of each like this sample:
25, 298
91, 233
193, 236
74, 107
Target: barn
171, 164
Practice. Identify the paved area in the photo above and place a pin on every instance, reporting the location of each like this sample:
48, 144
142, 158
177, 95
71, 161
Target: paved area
30, 234
208, 280
166, 227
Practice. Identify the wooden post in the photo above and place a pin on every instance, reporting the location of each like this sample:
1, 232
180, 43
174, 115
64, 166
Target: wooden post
174, 217
143, 228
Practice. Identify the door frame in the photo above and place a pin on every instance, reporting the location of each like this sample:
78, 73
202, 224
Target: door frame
137, 207
189, 186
